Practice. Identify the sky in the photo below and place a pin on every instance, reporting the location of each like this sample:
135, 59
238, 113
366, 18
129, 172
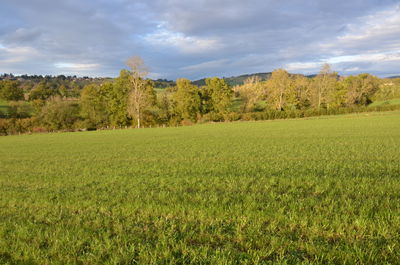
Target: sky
199, 38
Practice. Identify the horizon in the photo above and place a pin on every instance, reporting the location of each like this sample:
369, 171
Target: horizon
95, 39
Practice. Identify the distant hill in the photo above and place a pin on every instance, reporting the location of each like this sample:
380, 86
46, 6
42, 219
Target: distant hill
395, 76
239, 80
235, 80
163, 83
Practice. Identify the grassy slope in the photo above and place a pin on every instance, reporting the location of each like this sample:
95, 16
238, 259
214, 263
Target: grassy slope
320, 190
385, 102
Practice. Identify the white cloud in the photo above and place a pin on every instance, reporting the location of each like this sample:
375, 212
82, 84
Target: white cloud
306, 66
10, 55
76, 66
185, 44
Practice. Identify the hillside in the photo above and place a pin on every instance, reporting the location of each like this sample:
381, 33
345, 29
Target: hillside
235, 80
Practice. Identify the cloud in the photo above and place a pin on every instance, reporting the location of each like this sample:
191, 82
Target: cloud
77, 67
369, 43
199, 38
181, 43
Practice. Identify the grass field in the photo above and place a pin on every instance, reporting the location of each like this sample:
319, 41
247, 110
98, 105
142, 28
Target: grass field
395, 101
313, 191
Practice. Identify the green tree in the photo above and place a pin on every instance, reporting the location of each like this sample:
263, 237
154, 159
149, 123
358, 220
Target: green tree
187, 99
41, 91
59, 115
302, 91
220, 94
11, 90
337, 96
165, 107
93, 106
116, 94
63, 91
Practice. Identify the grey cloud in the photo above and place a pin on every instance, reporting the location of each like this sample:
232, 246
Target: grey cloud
190, 38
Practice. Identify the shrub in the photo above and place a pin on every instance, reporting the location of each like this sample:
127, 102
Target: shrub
59, 115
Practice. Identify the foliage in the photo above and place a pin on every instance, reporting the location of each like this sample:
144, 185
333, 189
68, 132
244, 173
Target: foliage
59, 115
323, 85
186, 100
220, 94
141, 94
251, 91
93, 106
132, 100
280, 90
11, 90
360, 89
42, 91
117, 99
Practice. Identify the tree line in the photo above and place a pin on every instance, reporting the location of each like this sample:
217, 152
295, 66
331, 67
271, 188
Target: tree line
131, 100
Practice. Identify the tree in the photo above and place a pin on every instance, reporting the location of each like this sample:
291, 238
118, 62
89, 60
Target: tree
165, 111
336, 97
324, 83
93, 106
116, 96
279, 89
11, 90
187, 99
141, 94
59, 115
360, 89
250, 92
63, 91
301, 89
41, 91
220, 94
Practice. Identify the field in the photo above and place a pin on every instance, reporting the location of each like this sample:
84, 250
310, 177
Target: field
313, 191
395, 101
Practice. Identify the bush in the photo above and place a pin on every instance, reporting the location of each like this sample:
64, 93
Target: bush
59, 115
16, 126
233, 116
211, 117
19, 110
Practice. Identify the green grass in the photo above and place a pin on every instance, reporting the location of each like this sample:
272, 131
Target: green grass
313, 191
386, 102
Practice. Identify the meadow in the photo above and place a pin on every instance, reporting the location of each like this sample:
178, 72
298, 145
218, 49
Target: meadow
313, 191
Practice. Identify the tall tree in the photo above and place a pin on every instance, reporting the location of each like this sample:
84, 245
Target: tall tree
250, 92
324, 83
187, 99
220, 94
361, 88
336, 96
93, 106
116, 94
280, 89
141, 93
301, 89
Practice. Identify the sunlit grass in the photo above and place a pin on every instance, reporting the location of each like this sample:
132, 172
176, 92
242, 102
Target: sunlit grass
395, 101
322, 190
